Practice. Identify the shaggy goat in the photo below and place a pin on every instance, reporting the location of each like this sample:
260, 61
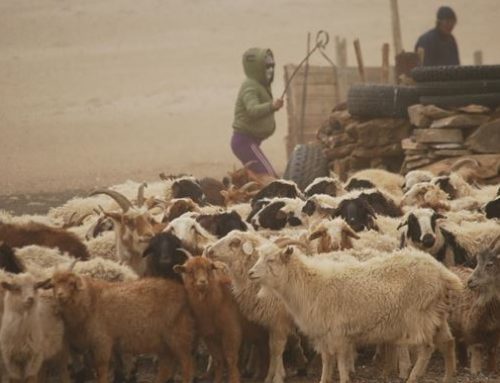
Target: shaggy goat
216, 313
16, 235
148, 316
340, 305
32, 331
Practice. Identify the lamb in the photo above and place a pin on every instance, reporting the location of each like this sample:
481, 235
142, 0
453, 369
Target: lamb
415, 177
279, 213
474, 319
381, 179
32, 333
336, 234
278, 189
216, 313
325, 185
451, 243
42, 262
16, 235
149, 316
325, 298
238, 250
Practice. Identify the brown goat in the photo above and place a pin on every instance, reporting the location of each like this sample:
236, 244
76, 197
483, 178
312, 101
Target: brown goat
216, 313
148, 316
33, 233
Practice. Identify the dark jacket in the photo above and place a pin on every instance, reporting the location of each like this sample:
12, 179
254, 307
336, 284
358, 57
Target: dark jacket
254, 113
439, 48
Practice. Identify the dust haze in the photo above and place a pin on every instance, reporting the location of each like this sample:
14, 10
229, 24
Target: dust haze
99, 91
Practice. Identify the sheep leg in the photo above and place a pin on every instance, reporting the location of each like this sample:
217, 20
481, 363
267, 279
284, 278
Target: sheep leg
475, 359
231, 345
491, 352
217, 355
404, 361
298, 354
102, 357
389, 358
277, 343
344, 361
424, 354
327, 364
166, 367
446, 344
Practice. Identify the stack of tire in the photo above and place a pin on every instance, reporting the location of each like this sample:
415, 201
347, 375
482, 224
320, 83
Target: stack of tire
443, 86
457, 86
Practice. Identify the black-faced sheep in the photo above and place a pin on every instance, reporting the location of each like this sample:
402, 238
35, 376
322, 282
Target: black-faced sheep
324, 185
278, 189
222, 223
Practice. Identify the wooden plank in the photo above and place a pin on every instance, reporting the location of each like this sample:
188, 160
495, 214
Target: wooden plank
385, 63
396, 28
359, 59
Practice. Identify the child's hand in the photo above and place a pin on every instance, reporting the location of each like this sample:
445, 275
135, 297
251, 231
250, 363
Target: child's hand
278, 104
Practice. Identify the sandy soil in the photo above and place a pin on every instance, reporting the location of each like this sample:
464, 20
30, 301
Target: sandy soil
98, 91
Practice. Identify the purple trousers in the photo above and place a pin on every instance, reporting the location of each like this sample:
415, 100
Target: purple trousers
247, 149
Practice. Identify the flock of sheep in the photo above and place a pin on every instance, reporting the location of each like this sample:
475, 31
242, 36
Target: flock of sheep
245, 269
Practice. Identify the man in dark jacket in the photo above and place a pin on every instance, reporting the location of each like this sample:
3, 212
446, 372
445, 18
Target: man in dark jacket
439, 45
254, 111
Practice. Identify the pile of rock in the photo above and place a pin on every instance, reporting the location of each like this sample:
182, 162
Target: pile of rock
440, 133
351, 144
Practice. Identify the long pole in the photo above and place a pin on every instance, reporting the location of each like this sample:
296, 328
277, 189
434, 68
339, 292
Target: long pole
396, 28
304, 91
359, 58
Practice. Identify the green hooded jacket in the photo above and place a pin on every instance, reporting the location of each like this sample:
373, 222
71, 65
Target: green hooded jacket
254, 113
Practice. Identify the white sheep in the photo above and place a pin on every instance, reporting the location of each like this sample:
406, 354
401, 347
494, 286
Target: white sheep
192, 235
32, 331
382, 180
399, 299
238, 250
103, 246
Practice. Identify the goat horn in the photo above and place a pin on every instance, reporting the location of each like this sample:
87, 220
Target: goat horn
248, 185
187, 253
72, 265
140, 194
120, 199
458, 164
282, 242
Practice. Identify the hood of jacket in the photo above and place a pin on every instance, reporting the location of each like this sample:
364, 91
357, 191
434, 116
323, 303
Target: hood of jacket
254, 64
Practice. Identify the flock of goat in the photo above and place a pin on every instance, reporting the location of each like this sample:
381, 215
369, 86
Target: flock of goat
243, 270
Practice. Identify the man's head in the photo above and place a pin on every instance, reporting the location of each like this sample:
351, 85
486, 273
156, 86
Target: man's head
446, 19
258, 64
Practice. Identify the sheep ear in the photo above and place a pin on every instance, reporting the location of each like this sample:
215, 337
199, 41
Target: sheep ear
349, 232
402, 224
180, 269
46, 284
235, 243
285, 255
8, 286
247, 248
317, 234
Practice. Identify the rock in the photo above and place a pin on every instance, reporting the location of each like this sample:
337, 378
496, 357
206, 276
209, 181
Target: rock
451, 152
435, 113
474, 109
381, 131
447, 146
486, 138
379, 151
341, 167
417, 164
488, 168
460, 121
417, 116
410, 144
339, 152
438, 135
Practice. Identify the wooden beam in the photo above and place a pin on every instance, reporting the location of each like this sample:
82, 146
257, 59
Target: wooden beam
304, 92
396, 28
385, 63
359, 58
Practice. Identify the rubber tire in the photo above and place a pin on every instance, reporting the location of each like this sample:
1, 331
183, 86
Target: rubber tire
375, 100
452, 88
455, 73
491, 100
306, 163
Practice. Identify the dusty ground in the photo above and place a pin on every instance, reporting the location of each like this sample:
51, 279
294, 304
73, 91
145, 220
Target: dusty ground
96, 92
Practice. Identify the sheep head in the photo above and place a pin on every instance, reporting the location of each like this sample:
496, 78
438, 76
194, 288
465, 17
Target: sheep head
486, 276
22, 292
198, 274
192, 235
271, 266
333, 235
66, 286
420, 228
